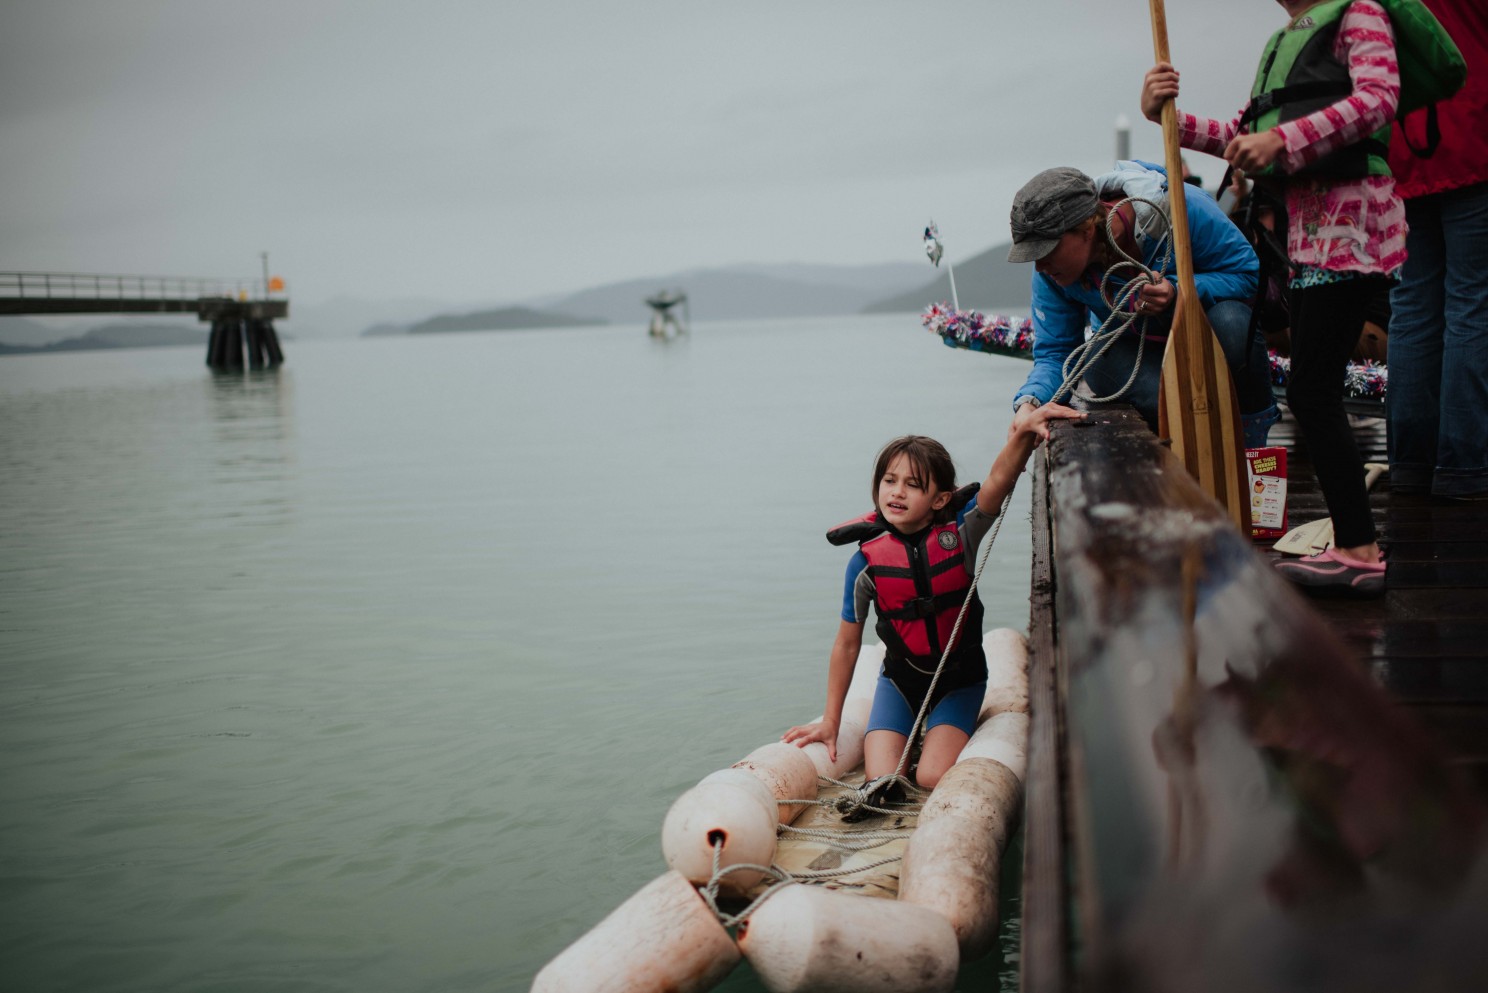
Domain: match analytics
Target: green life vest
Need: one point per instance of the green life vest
(1299, 75)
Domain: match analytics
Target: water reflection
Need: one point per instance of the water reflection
(253, 453)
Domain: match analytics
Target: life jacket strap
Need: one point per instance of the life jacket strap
(1264, 103)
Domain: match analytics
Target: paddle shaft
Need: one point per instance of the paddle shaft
(1197, 406)
(1173, 160)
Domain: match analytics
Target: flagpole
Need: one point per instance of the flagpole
(933, 251)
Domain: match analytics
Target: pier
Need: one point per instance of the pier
(242, 332)
(1232, 787)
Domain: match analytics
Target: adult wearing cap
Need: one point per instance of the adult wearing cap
(1062, 222)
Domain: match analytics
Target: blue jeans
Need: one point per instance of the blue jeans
(1438, 397)
(1230, 320)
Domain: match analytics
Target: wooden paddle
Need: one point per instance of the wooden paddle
(1315, 536)
(1196, 404)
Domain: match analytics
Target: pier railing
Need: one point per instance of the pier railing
(241, 311)
(111, 286)
(107, 293)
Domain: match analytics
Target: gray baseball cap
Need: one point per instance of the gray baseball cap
(1046, 207)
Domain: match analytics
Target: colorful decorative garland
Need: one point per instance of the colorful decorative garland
(1002, 335)
(972, 329)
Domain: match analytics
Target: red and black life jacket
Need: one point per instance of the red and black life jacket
(920, 582)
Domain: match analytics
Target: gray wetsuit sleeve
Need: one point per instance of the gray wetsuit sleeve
(974, 527)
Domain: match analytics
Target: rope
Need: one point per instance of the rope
(709, 891)
(1080, 360)
(1074, 368)
(1121, 320)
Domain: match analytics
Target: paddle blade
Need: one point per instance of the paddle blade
(1199, 412)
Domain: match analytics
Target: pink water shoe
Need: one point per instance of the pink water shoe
(1329, 572)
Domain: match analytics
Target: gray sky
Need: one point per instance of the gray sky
(487, 151)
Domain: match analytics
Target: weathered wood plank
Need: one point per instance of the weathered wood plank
(1045, 939)
(1246, 804)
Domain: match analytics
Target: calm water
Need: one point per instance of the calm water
(379, 672)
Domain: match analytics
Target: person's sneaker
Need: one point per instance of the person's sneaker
(1331, 572)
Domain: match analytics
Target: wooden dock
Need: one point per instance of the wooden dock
(242, 323)
(1426, 643)
(1231, 787)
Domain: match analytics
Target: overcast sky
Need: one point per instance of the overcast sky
(493, 150)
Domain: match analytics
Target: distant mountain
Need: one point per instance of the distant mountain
(500, 319)
(347, 317)
(986, 282)
(884, 277)
(748, 292)
(740, 292)
(121, 336)
(27, 333)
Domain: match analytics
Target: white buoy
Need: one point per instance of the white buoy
(787, 771)
(805, 938)
(854, 724)
(953, 860)
(730, 809)
(1004, 739)
(664, 939)
(850, 734)
(1007, 672)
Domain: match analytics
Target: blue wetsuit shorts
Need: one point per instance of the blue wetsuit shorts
(891, 712)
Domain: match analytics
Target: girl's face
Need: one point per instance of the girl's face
(1070, 258)
(907, 501)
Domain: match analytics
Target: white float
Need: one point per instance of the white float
(806, 939)
(904, 927)
(664, 938)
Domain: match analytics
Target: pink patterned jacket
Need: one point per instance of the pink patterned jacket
(1349, 225)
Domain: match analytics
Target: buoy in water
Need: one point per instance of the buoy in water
(805, 938)
(731, 811)
(787, 771)
(664, 939)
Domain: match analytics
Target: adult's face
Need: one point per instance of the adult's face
(1070, 258)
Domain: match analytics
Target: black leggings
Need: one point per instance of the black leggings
(1326, 322)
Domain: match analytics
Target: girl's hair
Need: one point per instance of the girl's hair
(928, 460)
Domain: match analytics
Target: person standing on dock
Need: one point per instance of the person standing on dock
(1345, 233)
(1439, 330)
(1084, 237)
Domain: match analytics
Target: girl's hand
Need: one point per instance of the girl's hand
(1254, 152)
(1035, 420)
(1158, 87)
(822, 731)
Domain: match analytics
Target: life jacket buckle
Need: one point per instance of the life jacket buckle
(922, 607)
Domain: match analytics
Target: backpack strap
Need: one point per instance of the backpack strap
(1433, 136)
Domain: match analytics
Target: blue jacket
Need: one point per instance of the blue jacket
(1225, 268)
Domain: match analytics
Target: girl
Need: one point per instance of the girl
(918, 551)
(1327, 85)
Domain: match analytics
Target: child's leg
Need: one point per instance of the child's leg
(889, 724)
(882, 750)
(943, 744)
(1326, 323)
(950, 724)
